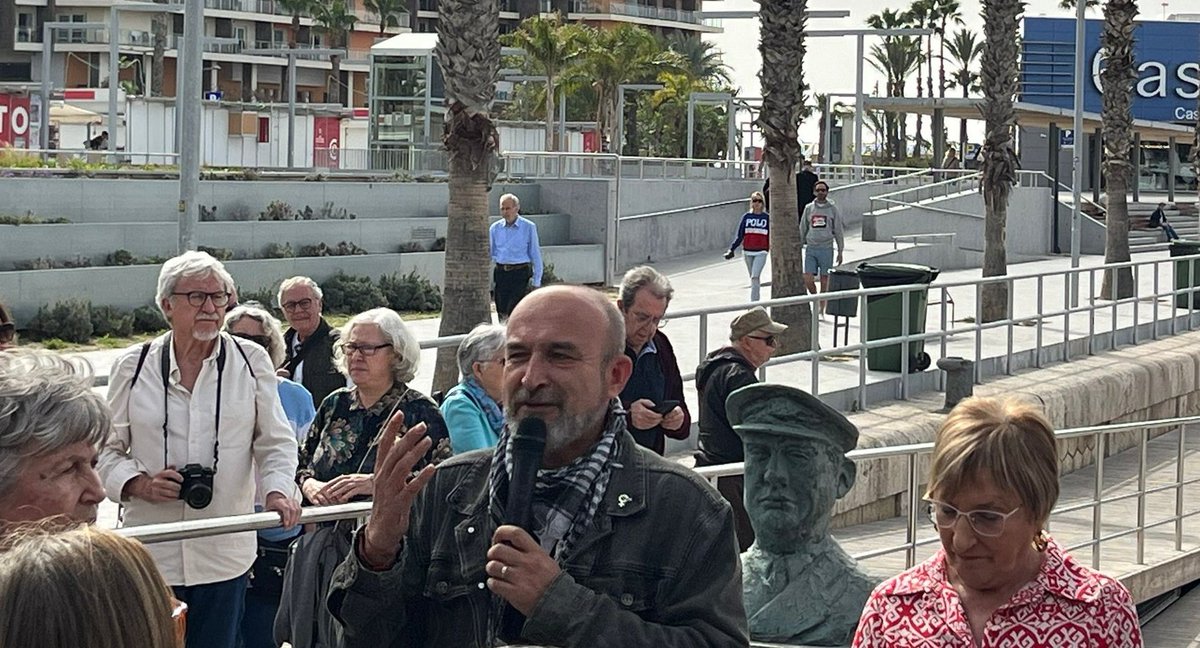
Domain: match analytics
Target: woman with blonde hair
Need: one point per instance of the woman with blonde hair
(83, 586)
(999, 579)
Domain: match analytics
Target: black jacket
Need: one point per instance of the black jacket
(659, 567)
(320, 377)
(719, 375)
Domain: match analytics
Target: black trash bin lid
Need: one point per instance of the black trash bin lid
(909, 272)
(1185, 248)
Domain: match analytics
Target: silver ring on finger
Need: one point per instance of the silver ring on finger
(504, 572)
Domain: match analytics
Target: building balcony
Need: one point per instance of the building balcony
(659, 15)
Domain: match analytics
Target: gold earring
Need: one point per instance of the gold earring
(1041, 541)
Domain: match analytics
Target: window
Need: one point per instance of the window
(72, 35)
(27, 28)
(264, 130)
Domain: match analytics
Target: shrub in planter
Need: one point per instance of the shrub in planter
(148, 319)
(548, 276)
(120, 258)
(264, 296)
(107, 320)
(277, 251)
(70, 321)
(220, 254)
(410, 292)
(351, 293)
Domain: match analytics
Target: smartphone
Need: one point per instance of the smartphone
(665, 407)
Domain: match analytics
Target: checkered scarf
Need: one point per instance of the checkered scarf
(565, 500)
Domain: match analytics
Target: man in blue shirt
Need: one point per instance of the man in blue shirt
(517, 255)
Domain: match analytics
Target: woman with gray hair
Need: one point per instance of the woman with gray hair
(379, 355)
(250, 321)
(51, 427)
(472, 407)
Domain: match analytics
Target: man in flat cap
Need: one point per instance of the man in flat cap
(753, 341)
(798, 584)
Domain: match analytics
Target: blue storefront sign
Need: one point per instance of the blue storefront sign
(1166, 55)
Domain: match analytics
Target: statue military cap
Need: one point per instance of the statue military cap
(789, 412)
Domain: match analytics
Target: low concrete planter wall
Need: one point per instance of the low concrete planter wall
(94, 241)
(132, 286)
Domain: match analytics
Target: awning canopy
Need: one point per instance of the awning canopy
(64, 113)
(1028, 114)
(409, 44)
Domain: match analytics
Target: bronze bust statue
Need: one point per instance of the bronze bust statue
(799, 586)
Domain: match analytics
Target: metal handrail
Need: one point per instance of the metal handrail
(911, 452)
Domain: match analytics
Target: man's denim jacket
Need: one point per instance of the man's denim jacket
(658, 568)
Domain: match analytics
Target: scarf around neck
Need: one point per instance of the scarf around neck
(488, 405)
(566, 499)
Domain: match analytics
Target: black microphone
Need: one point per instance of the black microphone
(528, 444)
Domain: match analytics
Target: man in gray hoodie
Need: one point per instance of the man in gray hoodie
(820, 226)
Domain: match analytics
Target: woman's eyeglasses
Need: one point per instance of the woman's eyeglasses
(367, 350)
(986, 523)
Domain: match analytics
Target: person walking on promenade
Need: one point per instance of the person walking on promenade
(820, 227)
(754, 236)
(517, 254)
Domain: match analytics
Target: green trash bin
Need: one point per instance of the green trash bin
(1184, 275)
(885, 313)
(842, 279)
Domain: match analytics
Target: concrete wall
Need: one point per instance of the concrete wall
(132, 286)
(1091, 232)
(94, 241)
(1028, 229)
(92, 200)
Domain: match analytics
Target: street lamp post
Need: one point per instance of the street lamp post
(1076, 155)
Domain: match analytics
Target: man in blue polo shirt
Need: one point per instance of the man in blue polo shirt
(517, 255)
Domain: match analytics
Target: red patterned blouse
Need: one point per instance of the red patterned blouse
(1066, 605)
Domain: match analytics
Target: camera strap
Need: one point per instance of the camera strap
(165, 367)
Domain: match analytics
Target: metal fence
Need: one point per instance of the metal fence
(914, 516)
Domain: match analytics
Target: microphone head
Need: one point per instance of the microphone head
(530, 436)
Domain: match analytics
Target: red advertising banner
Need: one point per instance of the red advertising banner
(14, 121)
(326, 136)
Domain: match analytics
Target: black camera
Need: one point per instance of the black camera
(197, 486)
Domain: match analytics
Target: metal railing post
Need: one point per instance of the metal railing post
(1037, 349)
(862, 352)
(914, 503)
(1011, 318)
(1091, 342)
(1180, 455)
(1143, 440)
(1098, 494)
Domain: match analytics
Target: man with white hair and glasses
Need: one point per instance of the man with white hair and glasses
(195, 413)
(515, 250)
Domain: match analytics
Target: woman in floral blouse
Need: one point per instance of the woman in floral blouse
(380, 356)
(999, 580)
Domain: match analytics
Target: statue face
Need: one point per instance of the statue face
(791, 486)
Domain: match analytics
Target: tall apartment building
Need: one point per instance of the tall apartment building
(80, 56)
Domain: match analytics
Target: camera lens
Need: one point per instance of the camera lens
(198, 496)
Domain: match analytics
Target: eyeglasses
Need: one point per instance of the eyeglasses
(299, 304)
(179, 619)
(769, 339)
(984, 522)
(821, 190)
(641, 319)
(367, 350)
(197, 298)
(261, 340)
(756, 200)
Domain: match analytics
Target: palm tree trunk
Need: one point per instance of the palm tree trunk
(549, 113)
(1116, 115)
(157, 60)
(962, 132)
(468, 52)
(920, 120)
(998, 72)
(782, 48)
(335, 81)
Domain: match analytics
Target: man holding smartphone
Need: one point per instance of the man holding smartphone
(653, 396)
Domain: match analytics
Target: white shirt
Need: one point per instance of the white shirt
(254, 434)
(298, 374)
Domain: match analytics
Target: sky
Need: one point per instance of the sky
(830, 62)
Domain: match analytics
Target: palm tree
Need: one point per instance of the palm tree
(296, 8)
(158, 26)
(702, 60)
(964, 48)
(781, 43)
(998, 161)
(611, 57)
(896, 58)
(550, 49)
(920, 15)
(468, 52)
(334, 21)
(1116, 82)
(389, 12)
(945, 12)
